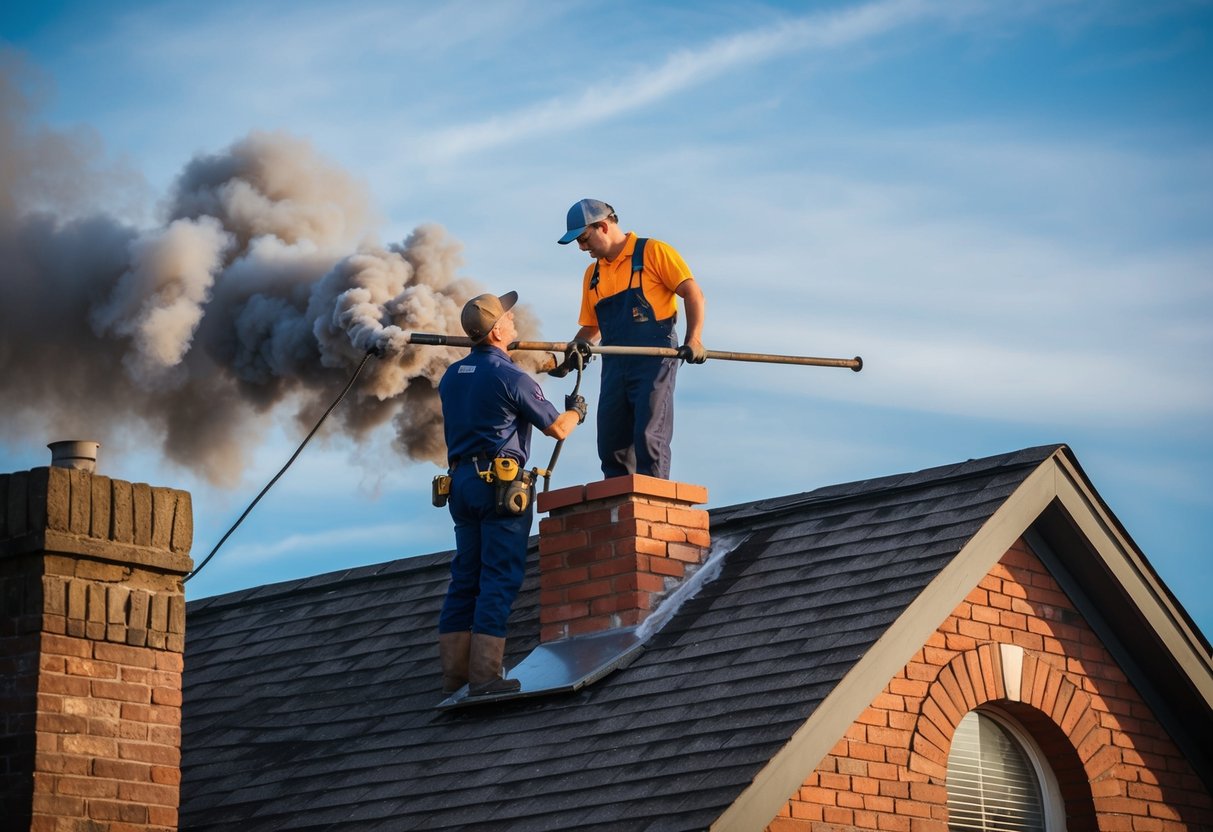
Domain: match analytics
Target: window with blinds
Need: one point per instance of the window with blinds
(992, 784)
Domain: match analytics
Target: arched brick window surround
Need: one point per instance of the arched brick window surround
(1049, 706)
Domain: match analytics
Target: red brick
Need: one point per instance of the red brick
(117, 811)
(694, 494)
(552, 597)
(66, 646)
(104, 689)
(62, 723)
(564, 577)
(566, 542)
(586, 520)
(892, 823)
(804, 811)
(92, 669)
(590, 624)
(889, 736)
(653, 512)
(90, 746)
(151, 713)
(86, 786)
(620, 601)
(149, 794)
(165, 816)
(550, 563)
(670, 534)
(591, 589)
(850, 800)
(151, 678)
(122, 654)
(642, 581)
(619, 531)
(64, 685)
(123, 770)
(551, 525)
(689, 518)
(839, 815)
(166, 775)
(631, 484)
(60, 805)
(867, 751)
(560, 498)
(149, 753)
(640, 545)
(686, 553)
(666, 566)
(54, 763)
(566, 612)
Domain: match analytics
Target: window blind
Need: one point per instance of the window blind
(991, 783)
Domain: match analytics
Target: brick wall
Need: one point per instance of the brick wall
(609, 549)
(1016, 641)
(91, 638)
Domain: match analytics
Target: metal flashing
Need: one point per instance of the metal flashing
(561, 666)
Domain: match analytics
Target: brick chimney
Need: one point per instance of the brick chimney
(92, 630)
(609, 549)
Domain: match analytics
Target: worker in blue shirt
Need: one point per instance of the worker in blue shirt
(629, 297)
(488, 407)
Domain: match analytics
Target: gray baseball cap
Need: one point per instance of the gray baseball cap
(581, 215)
(481, 312)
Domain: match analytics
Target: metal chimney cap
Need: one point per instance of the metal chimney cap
(80, 454)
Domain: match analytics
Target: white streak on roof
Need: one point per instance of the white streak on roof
(708, 571)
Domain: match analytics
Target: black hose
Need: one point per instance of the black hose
(547, 477)
(298, 450)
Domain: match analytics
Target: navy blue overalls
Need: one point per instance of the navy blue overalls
(488, 407)
(636, 404)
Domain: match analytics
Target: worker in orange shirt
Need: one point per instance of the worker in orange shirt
(629, 298)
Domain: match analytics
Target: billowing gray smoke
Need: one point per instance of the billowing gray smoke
(260, 291)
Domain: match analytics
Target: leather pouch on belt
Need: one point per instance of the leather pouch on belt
(513, 496)
(440, 490)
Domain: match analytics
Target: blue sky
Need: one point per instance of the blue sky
(1004, 208)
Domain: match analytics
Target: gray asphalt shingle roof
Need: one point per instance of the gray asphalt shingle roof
(310, 704)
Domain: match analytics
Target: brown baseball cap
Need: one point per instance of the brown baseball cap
(481, 312)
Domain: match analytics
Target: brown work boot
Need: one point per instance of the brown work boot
(453, 650)
(484, 667)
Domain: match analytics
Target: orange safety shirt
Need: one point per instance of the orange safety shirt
(664, 270)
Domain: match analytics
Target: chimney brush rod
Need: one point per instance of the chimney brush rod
(436, 340)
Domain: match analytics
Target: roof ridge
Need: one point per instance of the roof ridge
(895, 483)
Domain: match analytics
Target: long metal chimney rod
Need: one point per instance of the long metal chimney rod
(437, 340)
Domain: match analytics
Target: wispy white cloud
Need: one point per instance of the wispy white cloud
(679, 71)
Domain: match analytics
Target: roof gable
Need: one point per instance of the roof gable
(311, 704)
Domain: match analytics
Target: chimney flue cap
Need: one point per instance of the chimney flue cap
(80, 454)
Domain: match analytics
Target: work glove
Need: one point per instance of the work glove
(560, 368)
(577, 403)
(578, 345)
(693, 354)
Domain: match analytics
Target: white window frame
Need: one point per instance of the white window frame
(1053, 807)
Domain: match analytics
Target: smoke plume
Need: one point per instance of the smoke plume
(259, 293)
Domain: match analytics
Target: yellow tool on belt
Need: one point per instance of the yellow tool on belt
(513, 486)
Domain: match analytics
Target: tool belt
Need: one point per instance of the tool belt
(513, 486)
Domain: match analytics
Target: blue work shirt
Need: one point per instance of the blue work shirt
(489, 405)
